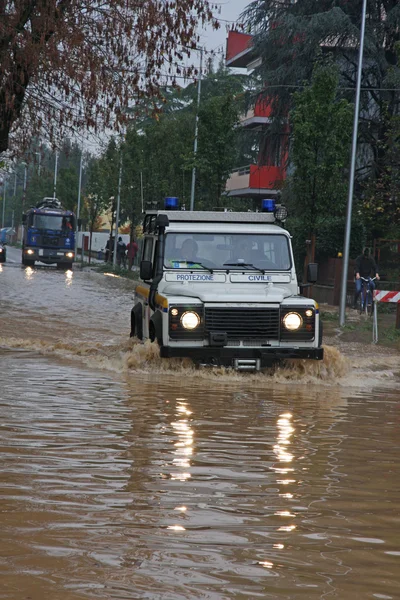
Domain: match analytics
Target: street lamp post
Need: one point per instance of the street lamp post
(196, 132)
(78, 212)
(55, 176)
(346, 251)
(4, 203)
(24, 196)
(39, 155)
(118, 206)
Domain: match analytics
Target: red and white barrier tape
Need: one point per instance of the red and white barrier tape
(383, 296)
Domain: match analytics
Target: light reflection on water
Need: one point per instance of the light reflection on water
(178, 485)
(130, 490)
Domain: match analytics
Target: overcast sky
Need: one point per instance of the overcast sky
(230, 12)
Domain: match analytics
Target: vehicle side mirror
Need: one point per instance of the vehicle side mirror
(312, 272)
(24, 219)
(146, 270)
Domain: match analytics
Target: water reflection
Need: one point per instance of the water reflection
(184, 446)
(29, 272)
(68, 277)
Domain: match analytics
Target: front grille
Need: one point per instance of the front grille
(241, 323)
(50, 241)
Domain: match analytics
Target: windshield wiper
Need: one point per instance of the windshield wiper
(240, 264)
(196, 262)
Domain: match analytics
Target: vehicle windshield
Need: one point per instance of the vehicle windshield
(54, 222)
(269, 252)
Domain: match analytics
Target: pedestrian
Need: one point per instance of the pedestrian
(132, 249)
(365, 267)
(121, 252)
(109, 249)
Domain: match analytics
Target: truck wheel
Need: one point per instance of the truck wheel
(321, 331)
(152, 334)
(28, 263)
(133, 326)
(68, 266)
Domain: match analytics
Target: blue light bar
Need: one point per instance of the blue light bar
(171, 203)
(267, 205)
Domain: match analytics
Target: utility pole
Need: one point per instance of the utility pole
(4, 203)
(23, 197)
(118, 205)
(346, 251)
(55, 176)
(141, 190)
(196, 131)
(39, 155)
(78, 212)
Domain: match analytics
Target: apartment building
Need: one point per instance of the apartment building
(265, 177)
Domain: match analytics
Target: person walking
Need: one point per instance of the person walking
(132, 249)
(109, 249)
(121, 252)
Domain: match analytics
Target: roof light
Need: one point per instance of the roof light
(267, 205)
(171, 203)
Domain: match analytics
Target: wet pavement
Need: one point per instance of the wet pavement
(124, 476)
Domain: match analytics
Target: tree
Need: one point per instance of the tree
(291, 36)
(216, 156)
(97, 198)
(74, 63)
(381, 198)
(321, 126)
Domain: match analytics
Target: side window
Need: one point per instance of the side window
(148, 249)
(155, 259)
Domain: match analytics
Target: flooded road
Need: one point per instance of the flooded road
(125, 477)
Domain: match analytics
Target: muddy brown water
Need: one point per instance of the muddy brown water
(124, 476)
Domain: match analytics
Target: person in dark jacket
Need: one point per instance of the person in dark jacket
(109, 249)
(365, 267)
(121, 252)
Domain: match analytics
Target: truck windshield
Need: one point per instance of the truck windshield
(54, 222)
(231, 251)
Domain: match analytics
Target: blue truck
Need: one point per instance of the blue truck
(48, 235)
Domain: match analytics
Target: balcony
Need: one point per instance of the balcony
(255, 181)
(239, 51)
(258, 116)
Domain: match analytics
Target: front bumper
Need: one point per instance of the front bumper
(49, 255)
(228, 356)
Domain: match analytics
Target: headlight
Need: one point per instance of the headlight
(1, 249)
(70, 254)
(292, 321)
(190, 320)
(29, 251)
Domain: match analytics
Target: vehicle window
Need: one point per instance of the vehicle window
(148, 249)
(155, 258)
(53, 222)
(264, 251)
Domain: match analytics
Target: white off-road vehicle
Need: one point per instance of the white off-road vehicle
(221, 289)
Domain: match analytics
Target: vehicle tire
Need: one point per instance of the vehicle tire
(28, 263)
(360, 303)
(370, 307)
(321, 333)
(152, 334)
(68, 266)
(133, 326)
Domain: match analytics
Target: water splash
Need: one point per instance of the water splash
(130, 356)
